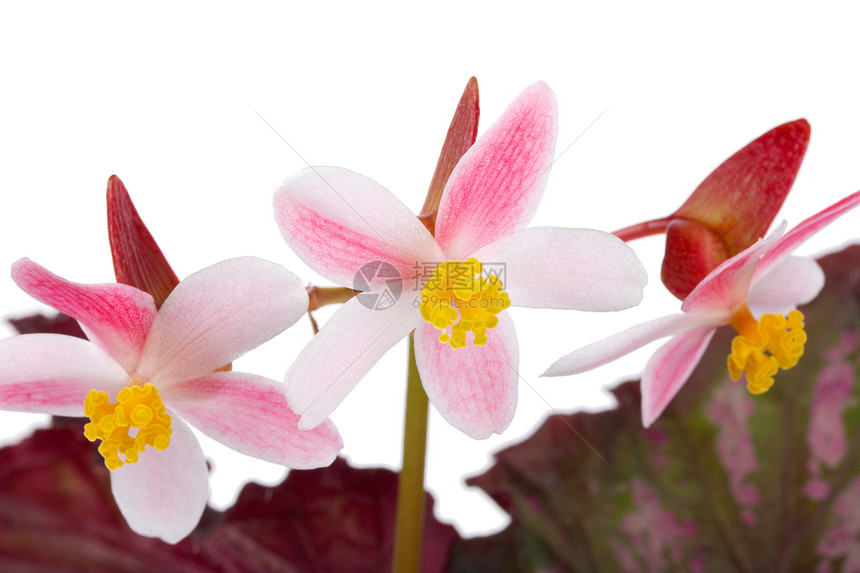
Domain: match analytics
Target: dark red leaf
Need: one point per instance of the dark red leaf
(39, 323)
(57, 513)
(331, 519)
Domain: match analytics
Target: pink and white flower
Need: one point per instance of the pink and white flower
(210, 319)
(742, 291)
(338, 221)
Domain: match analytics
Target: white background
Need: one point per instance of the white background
(164, 95)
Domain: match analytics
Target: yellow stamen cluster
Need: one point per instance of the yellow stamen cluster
(138, 407)
(459, 296)
(763, 347)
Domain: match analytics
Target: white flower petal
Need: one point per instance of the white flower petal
(164, 494)
(791, 282)
(578, 269)
(217, 314)
(615, 346)
(345, 349)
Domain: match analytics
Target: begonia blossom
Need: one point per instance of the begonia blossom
(159, 365)
(451, 288)
(756, 292)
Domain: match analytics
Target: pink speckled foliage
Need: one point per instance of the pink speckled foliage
(723, 481)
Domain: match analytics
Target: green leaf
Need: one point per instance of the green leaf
(723, 481)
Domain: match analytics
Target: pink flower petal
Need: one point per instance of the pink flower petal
(497, 185)
(345, 349)
(116, 317)
(52, 373)
(337, 221)
(804, 230)
(217, 314)
(669, 368)
(792, 282)
(250, 414)
(622, 343)
(475, 387)
(579, 269)
(164, 494)
(728, 285)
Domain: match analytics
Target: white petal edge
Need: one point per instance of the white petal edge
(52, 373)
(622, 343)
(475, 387)
(344, 350)
(576, 269)
(217, 314)
(164, 494)
(791, 282)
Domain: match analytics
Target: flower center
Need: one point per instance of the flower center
(459, 298)
(137, 407)
(763, 347)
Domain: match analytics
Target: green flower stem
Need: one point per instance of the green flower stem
(410, 494)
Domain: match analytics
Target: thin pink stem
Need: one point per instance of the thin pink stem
(646, 229)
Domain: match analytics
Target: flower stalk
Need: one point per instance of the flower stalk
(409, 527)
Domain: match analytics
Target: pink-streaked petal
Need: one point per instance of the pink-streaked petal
(116, 317)
(219, 313)
(669, 369)
(794, 281)
(52, 373)
(578, 269)
(164, 494)
(727, 286)
(337, 221)
(497, 185)
(250, 414)
(345, 349)
(622, 343)
(475, 387)
(804, 230)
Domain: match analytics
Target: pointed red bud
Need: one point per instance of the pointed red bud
(740, 199)
(461, 135)
(731, 209)
(137, 260)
